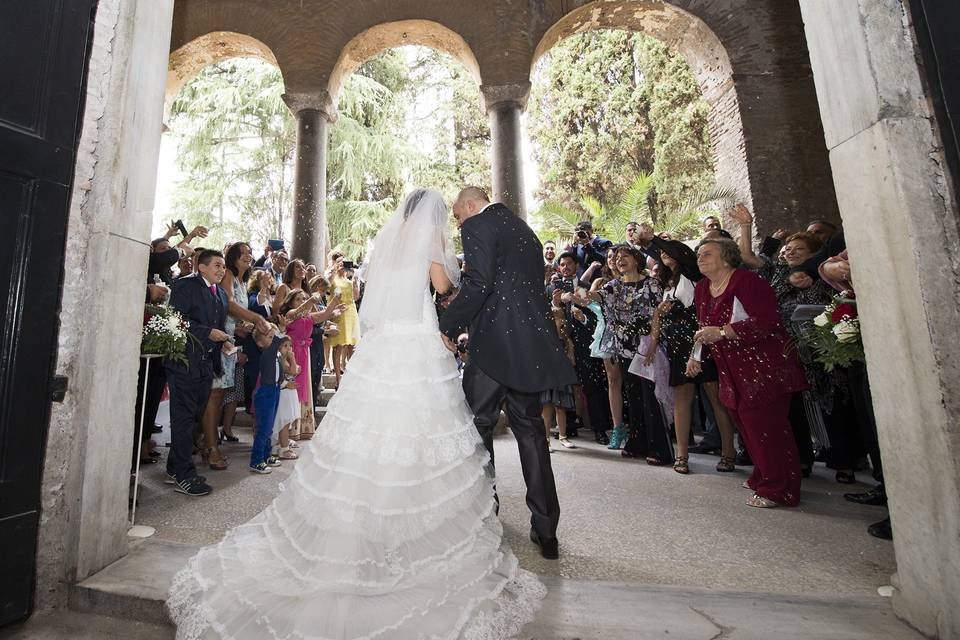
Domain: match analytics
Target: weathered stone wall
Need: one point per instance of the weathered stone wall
(903, 234)
(86, 475)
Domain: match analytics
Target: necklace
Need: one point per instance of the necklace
(716, 288)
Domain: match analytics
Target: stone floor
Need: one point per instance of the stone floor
(620, 520)
(645, 553)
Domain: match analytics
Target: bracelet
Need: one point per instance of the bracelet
(723, 333)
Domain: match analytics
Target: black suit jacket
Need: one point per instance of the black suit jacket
(594, 251)
(191, 297)
(161, 264)
(503, 303)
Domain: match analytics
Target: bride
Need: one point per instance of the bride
(387, 526)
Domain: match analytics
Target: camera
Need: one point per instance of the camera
(179, 225)
(565, 285)
(349, 264)
(582, 235)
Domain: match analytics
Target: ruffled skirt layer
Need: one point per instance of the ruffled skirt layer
(385, 529)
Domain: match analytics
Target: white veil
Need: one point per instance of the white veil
(396, 271)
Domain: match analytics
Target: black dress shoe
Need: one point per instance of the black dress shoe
(743, 458)
(549, 547)
(602, 438)
(876, 497)
(881, 529)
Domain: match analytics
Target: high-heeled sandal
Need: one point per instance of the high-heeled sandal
(220, 465)
(681, 465)
(229, 437)
(727, 464)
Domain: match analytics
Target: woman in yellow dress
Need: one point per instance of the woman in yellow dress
(344, 284)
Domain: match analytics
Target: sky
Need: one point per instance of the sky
(426, 102)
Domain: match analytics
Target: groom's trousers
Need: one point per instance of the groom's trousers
(485, 397)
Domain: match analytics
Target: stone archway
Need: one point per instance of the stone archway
(754, 71)
(389, 35)
(704, 54)
(190, 58)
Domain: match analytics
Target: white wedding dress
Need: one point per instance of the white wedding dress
(386, 527)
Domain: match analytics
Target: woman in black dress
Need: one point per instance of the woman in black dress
(674, 323)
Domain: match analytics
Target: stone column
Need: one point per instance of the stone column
(504, 105)
(311, 111)
(902, 223)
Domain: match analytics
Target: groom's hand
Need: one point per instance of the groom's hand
(448, 343)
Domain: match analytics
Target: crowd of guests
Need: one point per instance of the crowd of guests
(666, 335)
(264, 331)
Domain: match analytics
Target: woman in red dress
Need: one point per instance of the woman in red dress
(758, 366)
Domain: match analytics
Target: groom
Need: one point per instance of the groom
(515, 352)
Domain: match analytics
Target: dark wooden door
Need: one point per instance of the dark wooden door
(44, 49)
(935, 23)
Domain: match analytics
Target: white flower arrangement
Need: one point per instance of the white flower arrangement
(847, 331)
(165, 332)
(835, 336)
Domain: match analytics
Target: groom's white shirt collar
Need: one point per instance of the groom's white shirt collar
(487, 207)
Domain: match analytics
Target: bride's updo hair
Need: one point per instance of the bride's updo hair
(412, 200)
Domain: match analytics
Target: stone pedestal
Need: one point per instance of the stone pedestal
(504, 105)
(310, 177)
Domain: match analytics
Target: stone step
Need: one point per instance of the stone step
(329, 380)
(319, 413)
(135, 586)
(325, 397)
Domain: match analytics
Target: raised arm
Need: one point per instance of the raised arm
(742, 215)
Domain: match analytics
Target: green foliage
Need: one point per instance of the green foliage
(236, 141)
(556, 221)
(683, 167)
(353, 223)
(617, 117)
(457, 124)
(588, 119)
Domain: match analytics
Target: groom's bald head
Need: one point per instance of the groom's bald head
(470, 201)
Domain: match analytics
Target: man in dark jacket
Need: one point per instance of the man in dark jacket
(589, 248)
(203, 304)
(514, 351)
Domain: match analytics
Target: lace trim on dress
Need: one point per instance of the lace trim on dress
(515, 600)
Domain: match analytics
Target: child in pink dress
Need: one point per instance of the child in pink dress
(299, 315)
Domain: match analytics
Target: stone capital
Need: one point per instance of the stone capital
(515, 94)
(315, 101)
